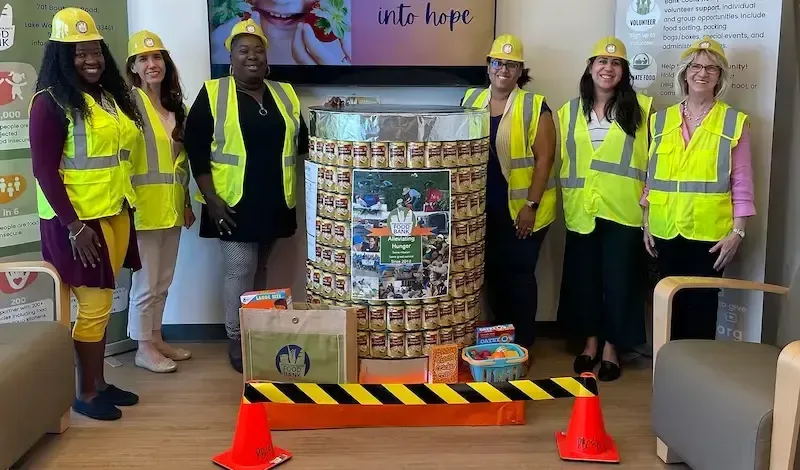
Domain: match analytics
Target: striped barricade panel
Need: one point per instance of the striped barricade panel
(420, 394)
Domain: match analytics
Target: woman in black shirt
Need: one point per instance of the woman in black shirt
(243, 134)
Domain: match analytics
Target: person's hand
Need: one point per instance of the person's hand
(308, 50)
(188, 217)
(727, 248)
(525, 221)
(86, 244)
(649, 242)
(220, 213)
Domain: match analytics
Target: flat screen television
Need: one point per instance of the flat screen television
(364, 42)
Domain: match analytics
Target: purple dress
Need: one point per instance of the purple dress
(48, 133)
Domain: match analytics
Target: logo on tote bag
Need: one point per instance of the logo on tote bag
(292, 361)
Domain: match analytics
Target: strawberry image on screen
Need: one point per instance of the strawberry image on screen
(329, 20)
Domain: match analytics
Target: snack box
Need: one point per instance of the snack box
(443, 363)
(273, 299)
(494, 334)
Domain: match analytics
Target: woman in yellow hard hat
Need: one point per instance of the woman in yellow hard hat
(83, 124)
(520, 200)
(603, 165)
(160, 177)
(699, 192)
(243, 135)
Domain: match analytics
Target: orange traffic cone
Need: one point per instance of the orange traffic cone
(252, 442)
(586, 438)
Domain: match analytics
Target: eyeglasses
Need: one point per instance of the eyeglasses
(710, 69)
(511, 66)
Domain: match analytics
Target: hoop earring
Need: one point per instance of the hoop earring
(269, 70)
(230, 70)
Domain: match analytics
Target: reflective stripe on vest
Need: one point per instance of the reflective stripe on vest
(722, 183)
(153, 175)
(81, 160)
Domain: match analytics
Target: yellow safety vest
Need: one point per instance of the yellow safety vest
(95, 165)
(158, 179)
(525, 112)
(605, 182)
(228, 153)
(690, 185)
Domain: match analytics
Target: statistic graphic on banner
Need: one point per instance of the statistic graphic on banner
(401, 234)
(656, 32)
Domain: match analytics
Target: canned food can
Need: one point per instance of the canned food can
(327, 284)
(460, 233)
(377, 316)
(454, 181)
(469, 261)
(473, 307)
(464, 178)
(458, 261)
(377, 344)
(414, 344)
(464, 152)
(379, 155)
(320, 149)
(459, 334)
(485, 146)
(430, 338)
(476, 281)
(446, 312)
(362, 316)
(321, 177)
(450, 154)
(330, 178)
(311, 297)
(341, 234)
(329, 153)
(462, 207)
(397, 345)
(309, 274)
(475, 178)
(433, 155)
(318, 254)
(430, 316)
(341, 260)
(316, 282)
(397, 154)
(312, 148)
(342, 207)
(459, 311)
(363, 344)
(416, 155)
(414, 307)
(483, 177)
(321, 202)
(481, 274)
(413, 317)
(344, 181)
(469, 280)
(482, 225)
(327, 258)
(481, 253)
(482, 202)
(342, 288)
(395, 313)
(471, 330)
(474, 231)
(476, 152)
(474, 205)
(326, 231)
(318, 228)
(361, 153)
(344, 153)
(446, 336)
(328, 208)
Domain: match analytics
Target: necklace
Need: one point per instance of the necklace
(262, 110)
(687, 113)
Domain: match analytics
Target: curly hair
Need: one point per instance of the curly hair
(171, 91)
(58, 75)
(624, 105)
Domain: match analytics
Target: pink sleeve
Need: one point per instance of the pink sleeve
(742, 191)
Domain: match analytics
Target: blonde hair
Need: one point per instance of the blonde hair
(723, 81)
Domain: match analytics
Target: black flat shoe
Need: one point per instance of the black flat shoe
(609, 371)
(235, 354)
(97, 409)
(584, 363)
(118, 397)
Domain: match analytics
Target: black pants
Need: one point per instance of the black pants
(694, 312)
(602, 286)
(511, 289)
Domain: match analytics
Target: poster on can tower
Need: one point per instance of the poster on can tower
(24, 30)
(656, 32)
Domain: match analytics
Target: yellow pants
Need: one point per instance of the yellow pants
(94, 303)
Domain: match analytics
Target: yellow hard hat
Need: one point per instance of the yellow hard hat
(247, 26)
(709, 45)
(143, 42)
(610, 46)
(507, 47)
(74, 25)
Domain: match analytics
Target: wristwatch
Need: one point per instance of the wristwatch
(533, 205)
(739, 232)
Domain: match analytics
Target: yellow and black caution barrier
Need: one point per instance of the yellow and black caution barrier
(420, 394)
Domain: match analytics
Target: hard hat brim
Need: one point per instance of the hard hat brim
(82, 38)
(147, 51)
(229, 41)
(692, 50)
(504, 56)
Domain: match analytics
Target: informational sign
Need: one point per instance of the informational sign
(24, 30)
(656, 32)
(400, 234)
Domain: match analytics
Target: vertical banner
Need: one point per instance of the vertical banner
(24, 29)
(656, 32)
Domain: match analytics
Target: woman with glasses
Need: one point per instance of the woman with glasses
(699, 190)
(520, 191)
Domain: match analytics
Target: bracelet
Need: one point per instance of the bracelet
(73, 237)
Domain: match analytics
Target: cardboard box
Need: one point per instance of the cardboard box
(494, 334)
(443, 363)
(277, 299)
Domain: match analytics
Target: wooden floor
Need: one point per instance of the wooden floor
(186, 417)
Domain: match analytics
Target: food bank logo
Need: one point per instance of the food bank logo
(292, 361)
(7, 28)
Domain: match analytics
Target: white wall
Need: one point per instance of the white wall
(556, 57)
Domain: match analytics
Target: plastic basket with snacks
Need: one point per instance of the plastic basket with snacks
(496, 362)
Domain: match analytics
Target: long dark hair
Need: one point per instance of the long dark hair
(624, 105)
(58, 74)
(171, 91)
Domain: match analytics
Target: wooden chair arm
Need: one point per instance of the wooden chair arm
(786, 409)
(62, 301)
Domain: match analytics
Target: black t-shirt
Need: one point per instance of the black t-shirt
(261, 215)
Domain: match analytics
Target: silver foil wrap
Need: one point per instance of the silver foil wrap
(398, 123)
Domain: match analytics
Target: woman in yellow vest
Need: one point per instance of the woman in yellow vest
(243, 135)
(83, 124)
(520, 200)
(160, 177)
(603, 166)
(699, 191)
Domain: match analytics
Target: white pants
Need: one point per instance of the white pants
(158, 250)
